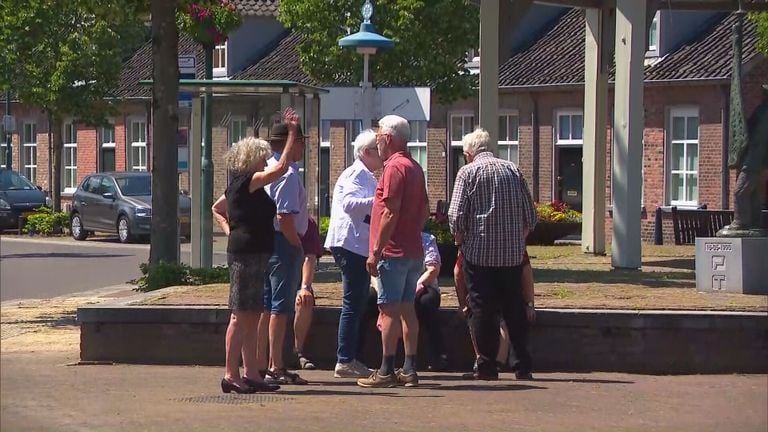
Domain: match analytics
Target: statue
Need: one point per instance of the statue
(747, 152)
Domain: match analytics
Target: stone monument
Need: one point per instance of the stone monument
(735, 260)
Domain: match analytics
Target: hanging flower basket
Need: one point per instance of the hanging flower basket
(208, 22)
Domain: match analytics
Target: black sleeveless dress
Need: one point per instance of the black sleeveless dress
(250, 242)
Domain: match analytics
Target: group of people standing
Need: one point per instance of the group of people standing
(376, 238)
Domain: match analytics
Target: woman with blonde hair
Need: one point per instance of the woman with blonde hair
(245, 213)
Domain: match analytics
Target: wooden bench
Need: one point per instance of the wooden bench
(687, 224)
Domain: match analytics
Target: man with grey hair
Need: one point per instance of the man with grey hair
(490, 215)
(347, 239)
(396, 255)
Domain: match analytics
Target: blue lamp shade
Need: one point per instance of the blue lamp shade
(366, 38)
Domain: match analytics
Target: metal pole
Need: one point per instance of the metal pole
(8, 135)
(206, 187)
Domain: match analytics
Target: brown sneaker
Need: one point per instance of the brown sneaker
(378, 381)
(407, 380)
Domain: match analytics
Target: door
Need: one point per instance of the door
(569, 176)
(107, 159)
(105, 209)
(86, 198)
(457, 161)
(324, 192)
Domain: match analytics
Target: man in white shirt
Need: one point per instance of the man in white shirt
(347, 238)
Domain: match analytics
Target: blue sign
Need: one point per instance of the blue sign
(186, 71)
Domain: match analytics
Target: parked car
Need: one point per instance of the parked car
(120, 203)
(18, 197)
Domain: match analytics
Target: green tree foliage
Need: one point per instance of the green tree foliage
(65, 57)
(761, 20)
(431, 41)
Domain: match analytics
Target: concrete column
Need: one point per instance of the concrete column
(626, 251)
(489, 67)
(195, 160)
(595, 113)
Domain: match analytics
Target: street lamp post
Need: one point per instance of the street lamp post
(8, 131)
(366, 42)
(206, 186)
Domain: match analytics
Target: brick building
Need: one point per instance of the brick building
(541, 102)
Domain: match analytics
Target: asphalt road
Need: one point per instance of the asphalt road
(44, 268)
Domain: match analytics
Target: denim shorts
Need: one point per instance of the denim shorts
(397, 279)
(283, 277)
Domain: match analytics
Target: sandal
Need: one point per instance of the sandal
(306, 363)
(282, 376)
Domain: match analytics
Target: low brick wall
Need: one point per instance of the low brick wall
(562, 340)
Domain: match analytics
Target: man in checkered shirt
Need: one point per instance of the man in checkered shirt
(491, 213)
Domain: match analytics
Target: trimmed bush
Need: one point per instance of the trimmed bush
(45, 221)
(166, 274)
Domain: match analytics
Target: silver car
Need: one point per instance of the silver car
(120, 203)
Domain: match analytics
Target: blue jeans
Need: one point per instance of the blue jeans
(283, 277)
(356, 284)
(397, 279)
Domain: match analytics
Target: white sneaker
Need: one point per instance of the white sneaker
(353, 369)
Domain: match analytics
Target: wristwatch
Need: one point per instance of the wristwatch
(530, 305)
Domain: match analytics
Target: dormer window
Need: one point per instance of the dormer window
(653, 35)
(220, 60)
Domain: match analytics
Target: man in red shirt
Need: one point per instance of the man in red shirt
(396, 258)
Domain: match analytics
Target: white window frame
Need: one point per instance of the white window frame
(105, 144)
(570, 113)
(686, 112)
(243, 122)
(136, 142)
(508, 141)
(654, 29)
(221, 52)
(29, 143)
(417, 143)
(464, 131)
(69, 172)
(325, 140)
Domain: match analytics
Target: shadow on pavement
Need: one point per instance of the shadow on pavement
(487, 387)
(582, 381)
(64, 255)
(372, 392)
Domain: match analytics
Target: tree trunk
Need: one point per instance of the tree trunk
(56, 153)
(165, 183)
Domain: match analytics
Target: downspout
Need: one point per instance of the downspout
(726, 130)
(535, 147)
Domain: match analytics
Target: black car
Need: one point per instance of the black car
(18, 197)
(120, 203)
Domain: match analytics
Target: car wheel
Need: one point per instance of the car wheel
(77, 229)
(124, 230)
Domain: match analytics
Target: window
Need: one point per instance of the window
(70, 157)
(353, 129)
(508, 137)
(237, 129)
(139, 145)
(460, 125)
(107, 148)
(684, 157)
(570, 127)
(325, 133)
(220, 59)
(653, 34)
(417, 145)
(29, 140)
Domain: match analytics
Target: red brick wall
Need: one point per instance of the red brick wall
(338, 152)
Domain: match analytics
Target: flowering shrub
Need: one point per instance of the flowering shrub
(557, 211)
(208, 22)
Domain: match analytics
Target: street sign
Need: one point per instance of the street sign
(186, 71)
